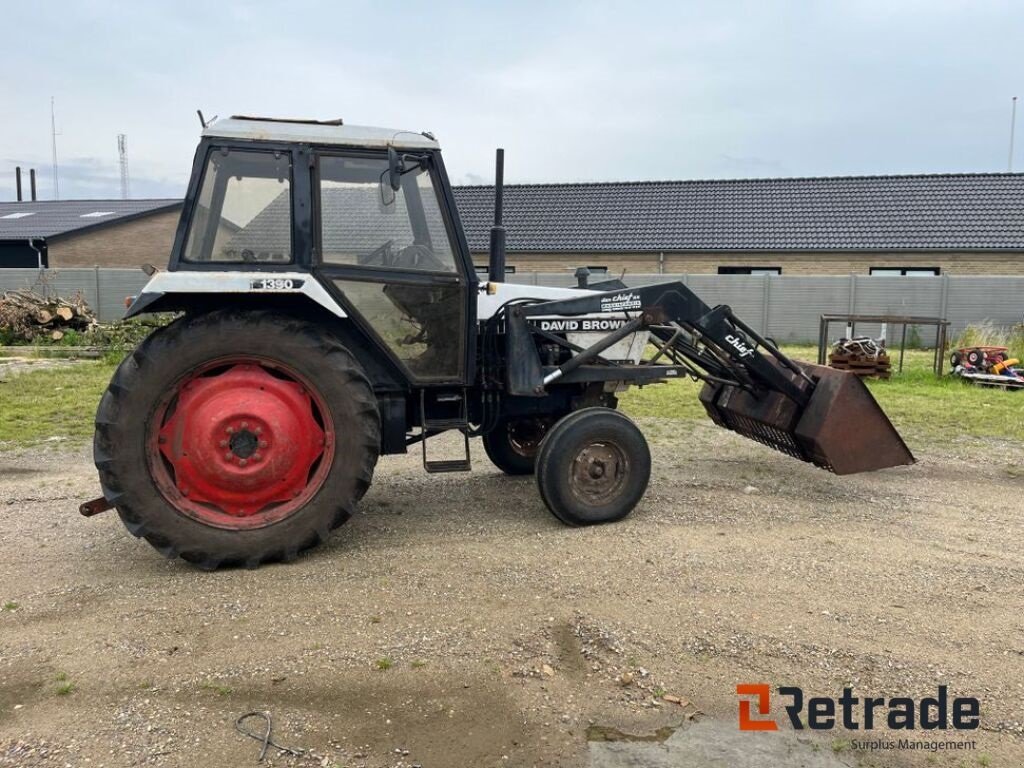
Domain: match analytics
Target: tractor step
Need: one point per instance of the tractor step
(441, 425)
(459, 421)
(448, 465)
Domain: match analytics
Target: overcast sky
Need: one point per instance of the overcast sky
(587, 91)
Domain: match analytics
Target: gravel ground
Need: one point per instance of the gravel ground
(454, 622)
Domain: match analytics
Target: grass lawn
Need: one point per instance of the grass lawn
(61, 402)
(53, 402)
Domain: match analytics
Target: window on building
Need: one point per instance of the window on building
(483, 269)
(905, 271)
(750, 270)
(597, 270)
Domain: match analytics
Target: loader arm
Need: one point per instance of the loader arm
(810, 412)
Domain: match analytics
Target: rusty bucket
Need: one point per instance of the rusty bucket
(842, 428)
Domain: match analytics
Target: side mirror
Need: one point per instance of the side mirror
(396, 167)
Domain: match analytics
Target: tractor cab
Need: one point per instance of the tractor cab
(364, 214)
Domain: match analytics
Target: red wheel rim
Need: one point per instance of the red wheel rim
(240, 443)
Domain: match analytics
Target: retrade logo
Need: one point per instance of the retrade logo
(824, 713)
(762, 694)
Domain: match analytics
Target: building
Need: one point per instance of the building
(957, 224)
(86, 233)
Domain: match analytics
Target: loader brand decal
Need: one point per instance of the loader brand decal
(276, 284)
(855, 713)
(572, 325)
(739, 345)
(620, 301)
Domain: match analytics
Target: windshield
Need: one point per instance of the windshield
(243, 211)
(360, 226)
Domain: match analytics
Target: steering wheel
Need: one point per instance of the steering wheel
(418, 257)
(380, 255)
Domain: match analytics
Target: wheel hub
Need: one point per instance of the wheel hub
(599, 472)
(242, 441)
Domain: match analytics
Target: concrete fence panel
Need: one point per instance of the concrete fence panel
(785, 307)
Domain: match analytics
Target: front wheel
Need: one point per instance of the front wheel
(236, 438)
(593, 467)
(513, 444)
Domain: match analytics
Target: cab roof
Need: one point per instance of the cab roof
(317, 132)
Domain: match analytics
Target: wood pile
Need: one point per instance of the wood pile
(29, 316)
(861, 364)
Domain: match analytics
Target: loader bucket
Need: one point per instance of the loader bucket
(842, 428)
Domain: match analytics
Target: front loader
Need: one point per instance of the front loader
(329, 313)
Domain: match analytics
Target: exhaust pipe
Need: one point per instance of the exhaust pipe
(17, 181)
(496, 262)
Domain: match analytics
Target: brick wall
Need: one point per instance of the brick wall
(146, 240)
(810, 263)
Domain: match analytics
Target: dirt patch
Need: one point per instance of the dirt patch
(11, 366)
(453, 622)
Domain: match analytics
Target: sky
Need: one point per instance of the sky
(574, 91)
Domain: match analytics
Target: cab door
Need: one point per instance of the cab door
(396, 261)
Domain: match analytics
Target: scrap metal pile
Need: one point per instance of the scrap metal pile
(863, 356)
(27, 316)
(988, 367)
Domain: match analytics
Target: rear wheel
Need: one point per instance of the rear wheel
(237, 438)
(593, 467)
(513, 444)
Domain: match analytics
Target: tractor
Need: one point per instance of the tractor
(328, 313)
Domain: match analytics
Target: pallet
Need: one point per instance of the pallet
(990, 381)
(860, 365)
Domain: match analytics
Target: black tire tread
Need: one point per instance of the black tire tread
(133, 369)
(499, 450)
(549, 454)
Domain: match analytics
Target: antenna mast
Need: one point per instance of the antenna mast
(1013, 125)
(122, 152)
(53, 137)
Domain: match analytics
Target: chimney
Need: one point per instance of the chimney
(17, 181)
(32, 182)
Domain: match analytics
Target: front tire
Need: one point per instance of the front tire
(593, 467)
(512, 445)
(236, 438)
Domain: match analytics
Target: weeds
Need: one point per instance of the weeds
(988, 334)
(384, 664)
(220, 690)
(10, 605)
(840, 745)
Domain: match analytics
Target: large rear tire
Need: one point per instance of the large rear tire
(593, 467)
(237, 438)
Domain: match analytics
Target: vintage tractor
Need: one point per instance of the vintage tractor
(330, 313)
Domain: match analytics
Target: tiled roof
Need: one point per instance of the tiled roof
(51, 218)
(933, 212)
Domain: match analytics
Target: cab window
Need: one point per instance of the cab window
(365, 223)
(244, 211)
